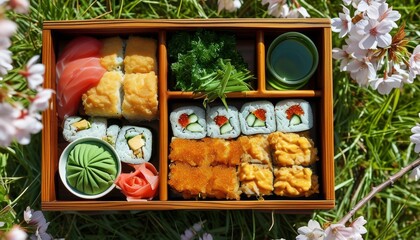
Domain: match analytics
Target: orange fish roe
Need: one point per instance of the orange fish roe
(183, 120)
(260, 114)
(294, 110)
(220, 120)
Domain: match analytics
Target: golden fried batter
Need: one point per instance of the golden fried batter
(295, 181)
(256, 179)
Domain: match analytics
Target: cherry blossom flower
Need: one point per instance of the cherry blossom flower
(34, 73)
(228, 5)
(277, 8)
(362, 71)
(19, 6)
(343, 56)
(338, 232)
(206, 236)
(387, 14)
(298, 12)
(376, 34)
(415, 174)
(343, 23)
(8, 28)
(386, 84)
(415, 138)
(26, 125)
(5, 43)
(311, 232)
(5, 61)
(7, 131)
(358, 227)
(414, 62)
(370, 7)
(16, 233)
(41, 100)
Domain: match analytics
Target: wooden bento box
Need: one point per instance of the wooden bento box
(253, 37)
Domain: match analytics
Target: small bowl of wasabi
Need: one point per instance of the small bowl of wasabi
(292, 59)
(88, 167)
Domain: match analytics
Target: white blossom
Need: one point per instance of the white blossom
(370, 7)
(20, 6)
(34, 73)
(362, 71)
(311, 232)
(415, 174)
(414, 62)
(386, 84)
(8, 28)
(415, 138)
(298, 12)
(376, 34)
(5, 61)
(338, 232)
(343, 23)
(41, 100)
(358, 227)
(16, 233)
(26, 125)
(387, 14)
(343, 56)
(228, 5)
(7, 130)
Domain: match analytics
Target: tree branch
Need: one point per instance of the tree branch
(379, 188)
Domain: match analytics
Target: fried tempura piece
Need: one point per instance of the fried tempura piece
(255, 179)
(295, 181)
(205, 152)
(291, 149)
(224, 183)
(140, 55)
(256, 149)
(190, 181)
(204, 181)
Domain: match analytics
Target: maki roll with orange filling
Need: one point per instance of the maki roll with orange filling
(188, 122)
(257, 117)
(293, 115)
(134, 144)
(223, 123)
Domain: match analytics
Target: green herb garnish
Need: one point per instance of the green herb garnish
(208, 63)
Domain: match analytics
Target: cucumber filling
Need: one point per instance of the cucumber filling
(194, 127)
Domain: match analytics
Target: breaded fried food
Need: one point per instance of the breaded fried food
(224, 183)
(296, 181)
(140, 55)
(205, 152)
(112, 53)
(104, 100)
(190, 181)
(140, 96)
(219, 182)
(255, 179)
(291, 149)
(256, 149)
(193, 152)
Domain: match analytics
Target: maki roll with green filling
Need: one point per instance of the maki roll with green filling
(76, 127)
(293, 115)
(257, 117)
(188, 122)
(134, 144)
(222, 122)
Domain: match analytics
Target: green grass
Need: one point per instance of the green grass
(371, 141)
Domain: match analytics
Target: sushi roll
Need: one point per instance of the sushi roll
(140, 100)
(257, 117)
(140, 55)
(222, 122)
(76, 127)
(104, 100)
(294, 115)
(134, 144)
(188, 122)
(112, 134)
(112, 53)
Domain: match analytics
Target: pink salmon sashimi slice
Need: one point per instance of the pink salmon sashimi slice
(71, 97)
(80, 47)
(73, 69)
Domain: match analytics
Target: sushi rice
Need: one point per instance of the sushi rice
(188, 122)
(93, 127)
(112, 134)
(257, 117)
(222, 122)
(140, 138)
(293, 115)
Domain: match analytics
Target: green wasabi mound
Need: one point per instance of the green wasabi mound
(91, 168)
